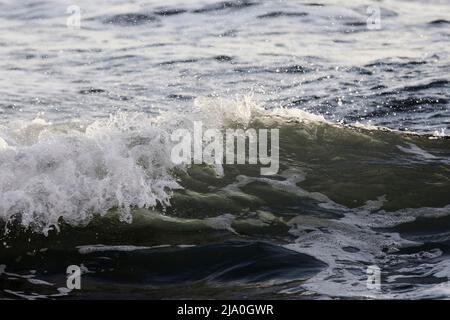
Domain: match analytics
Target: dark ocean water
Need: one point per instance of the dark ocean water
(86, 177)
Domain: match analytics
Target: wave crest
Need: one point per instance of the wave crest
(51, 172)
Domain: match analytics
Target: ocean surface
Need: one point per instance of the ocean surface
(363, 112)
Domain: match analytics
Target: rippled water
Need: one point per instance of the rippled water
(85, 170)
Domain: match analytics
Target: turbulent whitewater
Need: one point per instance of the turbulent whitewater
(86, 176)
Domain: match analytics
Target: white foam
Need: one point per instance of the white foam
(87, 249)
(72, 171)
(50, 172)
(3, 144)
(328, 240)
(415, 150)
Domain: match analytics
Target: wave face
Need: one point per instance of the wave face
(72, 171)
(86, 176)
